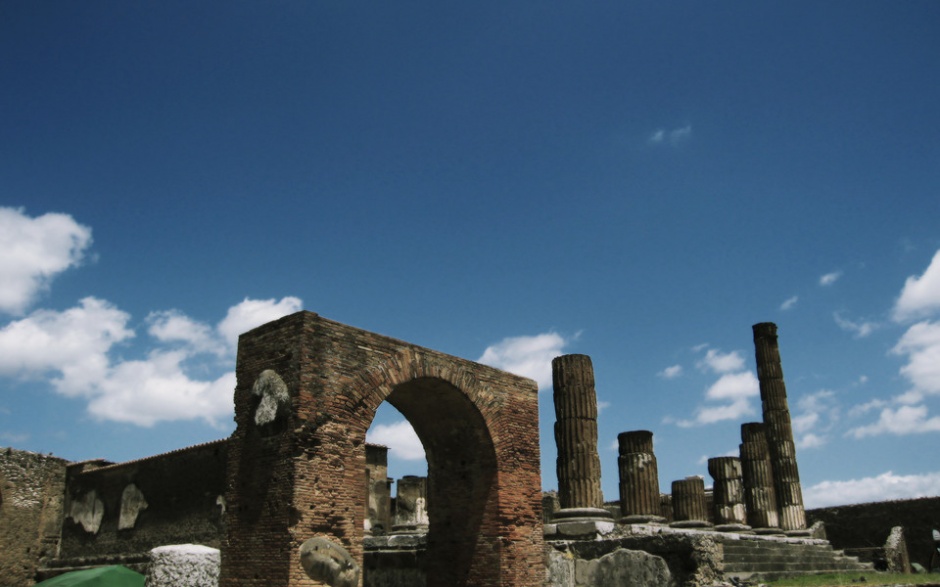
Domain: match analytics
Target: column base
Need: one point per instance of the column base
(769, 532)
(690, 524)
(580, 522)
(582, 514)
(737, 528)
(641, 519)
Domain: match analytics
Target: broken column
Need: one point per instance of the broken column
(688, 503)
(760, 497)
(728, 494)
(773, 394)
(411, 511)
(639, 478)
(377, 518)
(578, 465)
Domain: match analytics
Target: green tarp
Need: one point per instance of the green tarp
(116, 576)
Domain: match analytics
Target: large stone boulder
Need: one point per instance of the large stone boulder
(326, 561)
(184, 565)
(622, 567)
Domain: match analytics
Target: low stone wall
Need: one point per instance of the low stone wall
(31, 490)
(130, 508)
(868, 525)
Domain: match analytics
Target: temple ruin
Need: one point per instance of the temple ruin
(295, 497)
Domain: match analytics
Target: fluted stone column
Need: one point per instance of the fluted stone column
(578, 465)
(773, 394)
(728, 494)
(760, 497)
(639, 478)
(688, 503)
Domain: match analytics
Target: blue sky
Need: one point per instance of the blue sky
(505, 182)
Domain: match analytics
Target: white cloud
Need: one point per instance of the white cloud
(671, 372)
(250, 314)
(675, 136)
(158, 389)
(859, 329)
(399, 437)
(73, 343)
(74, 350)
(736, 410)
(172, 326)
(602, 405)
(722, 362)
(734, 386)
(34, 251)
(921, 345)
(901, 421)
(528, 356)
(830, 278)
(920, 296)
(884, 487)
(789, 303)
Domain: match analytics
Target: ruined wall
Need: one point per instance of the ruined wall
(868, 525)
(127, 508)
(307, 391)
(31, 490)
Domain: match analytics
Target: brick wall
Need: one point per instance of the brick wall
(299, 474)
(31, 490)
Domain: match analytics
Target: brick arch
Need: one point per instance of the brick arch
(479, 427)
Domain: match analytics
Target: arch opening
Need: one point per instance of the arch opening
(462, 504)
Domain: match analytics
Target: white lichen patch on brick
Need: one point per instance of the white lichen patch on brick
(132, 503)
(274, 396)
(88, 511)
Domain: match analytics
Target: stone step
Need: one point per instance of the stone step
(768, 559)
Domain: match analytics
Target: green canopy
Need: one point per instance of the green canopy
(115, 576)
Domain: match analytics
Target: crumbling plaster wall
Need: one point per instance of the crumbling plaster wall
(31, 494)
(132, 507)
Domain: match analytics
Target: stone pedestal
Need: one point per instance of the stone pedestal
(728, 494)
(773, 393)
(688, 503)
(411, 506)
(639, 478)
(578, 465)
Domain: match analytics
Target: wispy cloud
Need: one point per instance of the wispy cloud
(899, 421)
(884, 487)
(529, 356)
(728, 398)
(719, 362)
(671, 372)
(860, 329)
(907, 413)
(789, 303)
(662, 136)
(815, 416)
(35, 250)
(830, 278)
